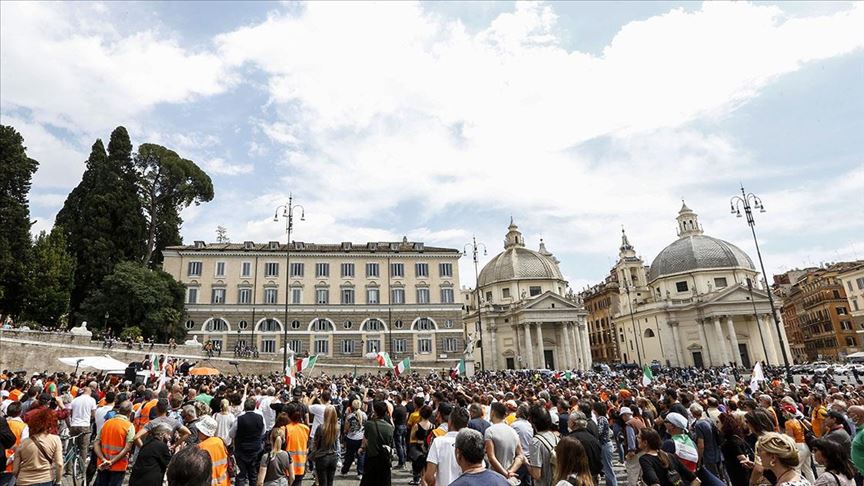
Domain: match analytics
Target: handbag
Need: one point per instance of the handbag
(45, 456)
(386, 450)
(414, 452)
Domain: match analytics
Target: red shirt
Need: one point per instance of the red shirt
(62, 414)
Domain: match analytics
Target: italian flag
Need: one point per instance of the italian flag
(459, 369)
(306, 363)
(402, 367)
(567, 375)
(383, 359)
(154, 366)
(647, 375)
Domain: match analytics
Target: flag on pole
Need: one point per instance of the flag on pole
(403, 366)
(757, 376)
(647, 375)
(154, 366)
(383, 359)
(458, 370)
(306, 363)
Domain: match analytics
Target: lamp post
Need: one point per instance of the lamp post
(633, 322)
(288, 216)
(474, 252)
(748, 202)
(756, 316)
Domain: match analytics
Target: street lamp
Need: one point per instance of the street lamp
(636, 335)
(288, 216)
(474, 250)
(748, 202)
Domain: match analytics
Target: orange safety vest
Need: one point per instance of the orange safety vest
(17, 427)
(143, 418)
(216, 448)
(297, 445)
(15, 395)
(112, 440)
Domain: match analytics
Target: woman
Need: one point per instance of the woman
(377, 443)
(779, 454)
(277, 435)
(326, 453)
(572, 464)
(605, 438)
(659, 468)
(417, 448)
(354, 438)
(275, 468)
(39, 458)
(153, 458)
(839, 470)
(737, 454)
(224, 421)
(795, 429)
(759, 423)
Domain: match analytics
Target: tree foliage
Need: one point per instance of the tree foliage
(167, 184)
(134, 295)
(49, 282)
(16, 171)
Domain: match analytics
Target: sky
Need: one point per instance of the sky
(440, 121)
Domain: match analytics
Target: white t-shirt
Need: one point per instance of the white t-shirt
(317, 412)
(82, 408)
(268, 413)
(443, 454)
(100, 417)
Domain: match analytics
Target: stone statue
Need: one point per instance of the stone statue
(81, 330)
(469, 346)
(192, 342)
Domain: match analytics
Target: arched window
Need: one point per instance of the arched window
(399, 324)
(322, 325)
(649, 333)
(425, 324)
(295, 324)
(269, 325)
(347, 324)
(217, 325)
(190, 324)
(373, 325)
(243, 325)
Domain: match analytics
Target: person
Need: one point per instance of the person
(161, 410)
(817, 413)
(834, 457)
(153, 457)
(225, 421)
(737, 454)
(707, 437)
(657, 466)
(835, 428)
(19, 430)
(113, 445)
(469, 451)
(417, 446)
(377, 438)
(795, 429)
(604, 436)
(759, 424)
(215, 447)
(296, 441)
(325, 452)
(503, 448)
(275, 466)
(353, 429)
(630, 442)
(39, 458)
(83, 411)
(525, 431)
(578, 427)
(572, 463)
(680, 442)
(246, 435)
(477, 421)
(856, 413)
(400, 423)
(191, 466)
(441, 466)
(542, 446)
(779, 455)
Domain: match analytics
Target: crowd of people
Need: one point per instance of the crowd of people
(684, 427)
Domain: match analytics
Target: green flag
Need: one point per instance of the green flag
(647, 375)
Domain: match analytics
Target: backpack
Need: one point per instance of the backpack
(553, 457)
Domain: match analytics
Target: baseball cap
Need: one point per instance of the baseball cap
(625, 411)
(677, 420)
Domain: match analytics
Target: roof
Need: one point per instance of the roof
(519, 263)
(303, 247)
(697, 252)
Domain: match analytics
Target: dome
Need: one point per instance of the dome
(697, 252)
(519, 263)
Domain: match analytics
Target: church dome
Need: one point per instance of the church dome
(695, 251)
(519, 263)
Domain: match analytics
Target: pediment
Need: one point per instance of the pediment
(736, 294)
(548, 299)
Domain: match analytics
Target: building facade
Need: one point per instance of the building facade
(697, 304)
(343, 300)
(789, 313)
(853, 284)
(601, 303)
(525, 318)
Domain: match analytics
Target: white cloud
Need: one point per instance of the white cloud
(61, 162)
(220, 167)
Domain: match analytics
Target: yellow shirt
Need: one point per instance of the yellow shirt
(413, 418)
(817, 420)
(795, 430)
(510, 419)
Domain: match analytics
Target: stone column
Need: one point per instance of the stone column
(733, 341)
(721, 341)
(587, 359)
(706, 354)
(541, 360)
(572, 359)
(562, 346)
(770, 341)
(493, 347)
(786, 342)
(679, 354)
(529, 350)
(580, 343)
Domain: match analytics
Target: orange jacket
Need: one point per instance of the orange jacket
(297, 446)
(219, 455)
(113, 438)
(17, 427)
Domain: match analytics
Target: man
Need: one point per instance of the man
(442, 418)
(817, 414)
(680, 443)
(247, 436)
(103, 410)
(190, 467)
(112, 447)
(835, 430)
(840, 407)
(525, 431)
(631, 445)
(400, 434)
(215, 447)
(190, 419)
(577, 425)
(856, 413)
(503, 448)
(477, 421)
(713, 411)
(542, 446)
(441, 466)
(469, 451)
(179, 432)
(707, 441)
(20, 431)
(264, 407)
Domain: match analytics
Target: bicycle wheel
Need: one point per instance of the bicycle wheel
(79, 476)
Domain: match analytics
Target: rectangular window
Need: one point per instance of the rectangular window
(218, 296)
(860, 282)
(373, 345)
(220, 269)
(347, 346)
(397, 296)
(297, 270)
(846, 325)
(534, 291)
(372, 296)
(397, 269)
(347, 270)
(192, 296)
(322, 270)
(849, 285)
(244, 296)
(400, 346)
(424, 345)
(296, 296)
(372, 270)
(421, 269)
(268, 345)
(505, 293)
(322, 296)
(855, 303)
(271, 269)
(720, 282)
(271, 296)
(489, 296)
(322, 346)
(450, 344)
(347, 296)
(446, 296)
(246, 269)
(841, 311)
(295, 345)
(681, 286)
(194, 269)
(422, 296)
(445, 269)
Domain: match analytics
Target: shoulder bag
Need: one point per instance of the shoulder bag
(45, 456)
(385, 449)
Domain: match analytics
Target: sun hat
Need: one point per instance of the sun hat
(207, 426)
(625, 411)
(677, 420)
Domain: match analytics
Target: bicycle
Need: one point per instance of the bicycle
(72, 461)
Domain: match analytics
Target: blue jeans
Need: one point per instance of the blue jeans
(351, 448)
(399, 439)
(7, 479)
(607, 464)
(109, 478)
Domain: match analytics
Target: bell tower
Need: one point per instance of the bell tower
(688, 222)
(514, 236)
(630, 269)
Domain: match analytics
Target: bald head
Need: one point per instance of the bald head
(125, 408)
(856, 413)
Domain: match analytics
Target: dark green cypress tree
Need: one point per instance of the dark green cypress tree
(16, 172)
(50, 279)
(130, 226)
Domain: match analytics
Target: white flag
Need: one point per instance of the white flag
(756, 377)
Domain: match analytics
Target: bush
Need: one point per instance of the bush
(132, 332)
